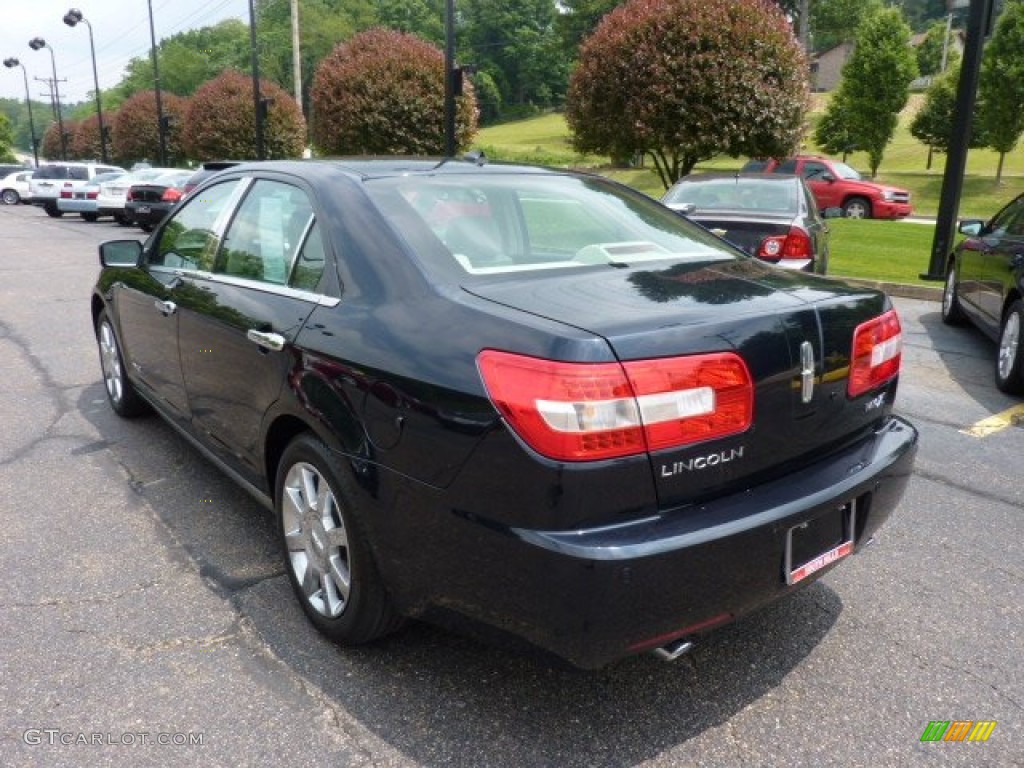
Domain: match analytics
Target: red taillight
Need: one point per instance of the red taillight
(586, 411)
(65, 191)
(795, 245)
(128, 195)
(171, 195)
(92, 195)
(877, 352)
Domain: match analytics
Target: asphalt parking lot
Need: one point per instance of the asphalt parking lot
(145, 618)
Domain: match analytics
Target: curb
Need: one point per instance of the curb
(903, 290)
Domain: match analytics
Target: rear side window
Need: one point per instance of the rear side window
(786, 166)
(78, 173)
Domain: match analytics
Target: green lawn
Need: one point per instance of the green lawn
(890, 251)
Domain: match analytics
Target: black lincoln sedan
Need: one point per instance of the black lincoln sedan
(985, 284)
(527, 399)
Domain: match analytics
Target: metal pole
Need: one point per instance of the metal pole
(296, 54)
(60, 118)
(99, 104)
(956, 159)
(156, 83)
(13, 62)
(449, 82)
(256, 83)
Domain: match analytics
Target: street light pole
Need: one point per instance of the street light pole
(156, 83)
(71, 18)
(35, 44)
(257, 102)
(13, 62)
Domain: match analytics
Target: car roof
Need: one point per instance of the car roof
(739, 176)
(385, 167)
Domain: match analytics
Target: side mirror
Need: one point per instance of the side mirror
(684, 209)
(120, 253)
(971, 227)
(826, 176)
(835, 212)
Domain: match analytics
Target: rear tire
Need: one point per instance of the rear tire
(90, 216)
(952, 313)
(329, 562)
(1010, 357)
(52, 210)
(857, 208)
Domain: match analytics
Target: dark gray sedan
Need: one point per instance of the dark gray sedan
(985, 283)
(770, 216)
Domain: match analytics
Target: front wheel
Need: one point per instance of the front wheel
(952, 313)
(10, 197)
(1009, 363)
(120, 391)
(857, 208)
(327, 557)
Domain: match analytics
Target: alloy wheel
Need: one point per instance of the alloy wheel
(110, 360)
(1009, 341)
(316, 540)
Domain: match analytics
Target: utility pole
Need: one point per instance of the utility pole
(296, 54)
(449, 79)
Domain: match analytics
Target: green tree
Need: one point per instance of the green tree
(6, 140)
(684, 80)
(832, 132)
(579, 18)
(836, 21)
(876, 82)
(516, 42)
(933, 123)
(929, 52)
(220, 121)
(1001, 83)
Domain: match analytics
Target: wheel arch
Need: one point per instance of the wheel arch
(1014, 294)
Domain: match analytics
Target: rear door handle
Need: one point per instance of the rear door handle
(274, 341)
(166, 308)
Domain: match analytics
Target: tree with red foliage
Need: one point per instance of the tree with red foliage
(84, 143)
(134, 135)
(51, 147)
(382, 93)
(685, 80)
(221, 122)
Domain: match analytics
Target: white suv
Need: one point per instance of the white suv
(48, 180)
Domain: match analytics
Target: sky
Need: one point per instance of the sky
(120, 31)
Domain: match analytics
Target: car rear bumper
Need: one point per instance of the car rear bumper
(595, 595)
(76, 206)
(886, 210)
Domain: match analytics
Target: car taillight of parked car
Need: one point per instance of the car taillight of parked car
(877, 353)
(587, 411)
(66, 192)
(171, 195)
(128, 195)
(795, 245)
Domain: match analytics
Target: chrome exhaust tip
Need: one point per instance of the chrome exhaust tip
(672, 651)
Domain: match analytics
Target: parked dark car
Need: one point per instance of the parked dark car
(205, 171)
(146, 203)
(533, 400)
(985, 284)
(770, 216)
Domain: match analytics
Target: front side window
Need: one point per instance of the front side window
(814, 170)
(190, 239)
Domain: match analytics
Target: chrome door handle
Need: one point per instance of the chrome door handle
(165, 308)
(274, 341)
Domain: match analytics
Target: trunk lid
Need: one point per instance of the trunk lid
(744, 233)
(764, 314)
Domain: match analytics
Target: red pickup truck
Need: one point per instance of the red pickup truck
(835, 184)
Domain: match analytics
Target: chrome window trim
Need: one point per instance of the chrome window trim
(287, 291)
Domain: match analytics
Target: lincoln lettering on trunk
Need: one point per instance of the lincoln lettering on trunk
(701, 462)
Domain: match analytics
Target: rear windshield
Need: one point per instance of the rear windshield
(522, 223)
(51, 172)
(767, 195)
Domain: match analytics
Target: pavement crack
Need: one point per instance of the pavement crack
(96, 600)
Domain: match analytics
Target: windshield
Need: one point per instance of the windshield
(735, 194)
(845, 171)
(522, 223)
